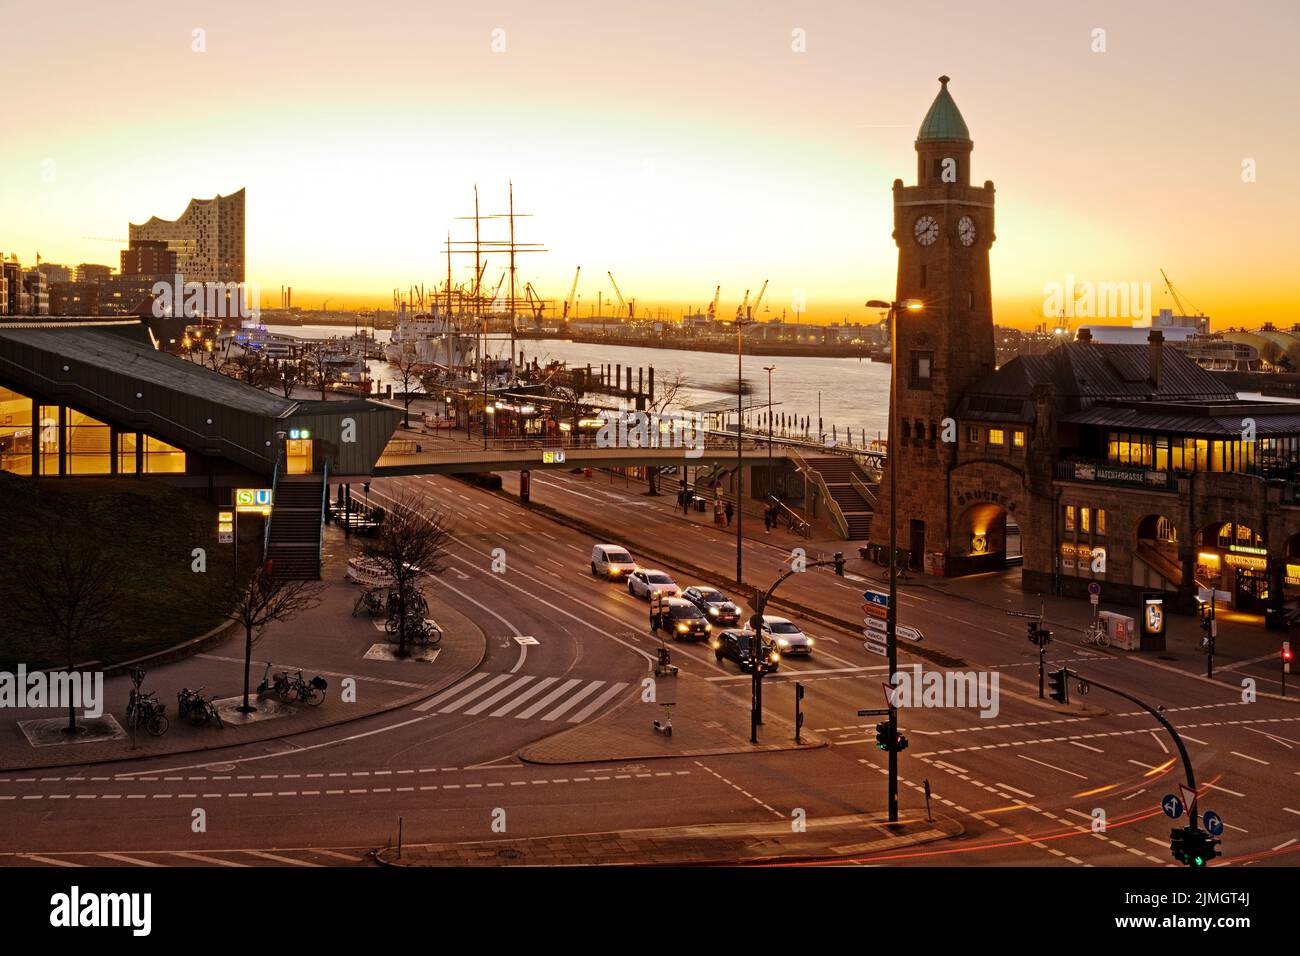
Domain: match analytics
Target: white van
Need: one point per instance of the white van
(612, 562)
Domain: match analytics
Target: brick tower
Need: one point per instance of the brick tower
(943, 227)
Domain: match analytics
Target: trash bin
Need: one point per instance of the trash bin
(700, 504)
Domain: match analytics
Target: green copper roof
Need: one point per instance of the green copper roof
(944, 119)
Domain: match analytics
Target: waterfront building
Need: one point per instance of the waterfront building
(1124, 465)
(208, 238)
(89, 272)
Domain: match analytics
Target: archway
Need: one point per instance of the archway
(979, 539)
(1231, 560)
(1156, 565)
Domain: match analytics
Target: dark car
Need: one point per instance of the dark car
(714, 605)
(735, 645)
(680, 618)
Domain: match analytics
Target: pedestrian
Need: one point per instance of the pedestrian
(717, 511)
(767, 520)
(730, 510)
(686, 501)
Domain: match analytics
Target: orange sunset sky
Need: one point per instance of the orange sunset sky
(678, 144)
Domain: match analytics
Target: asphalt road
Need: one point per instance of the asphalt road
(1028, 784)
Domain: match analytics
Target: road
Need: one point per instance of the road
(1029, 785)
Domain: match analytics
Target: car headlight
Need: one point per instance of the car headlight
(708, 626)
(683, 628)
(713, 611)
(775, 656)
(716, 645)
(810, 642)
(782, 642)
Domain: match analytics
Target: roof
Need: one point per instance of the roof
(87, 344)
(944, 120)
(1135, 334)
(1217, 419)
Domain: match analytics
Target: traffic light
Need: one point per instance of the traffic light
(1193, 847)
(901, 743)
(1287, 654)
(839, 563)
(1178, 844)
(882, 736)
(1033, 632)
(1058, 686)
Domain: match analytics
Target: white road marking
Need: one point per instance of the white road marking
(1052, 766)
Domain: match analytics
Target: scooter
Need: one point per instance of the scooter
(666, 727)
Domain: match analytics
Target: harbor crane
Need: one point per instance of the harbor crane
(1183, 309)
(628, 306)
(754, 308)
(571, 302)
(713, 306)
(534, 302)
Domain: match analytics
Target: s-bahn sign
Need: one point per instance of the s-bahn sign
(254, 500)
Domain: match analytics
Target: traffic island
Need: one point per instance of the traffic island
(829, 841)
(708, 717)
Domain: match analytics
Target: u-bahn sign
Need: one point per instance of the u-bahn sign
(253, 500)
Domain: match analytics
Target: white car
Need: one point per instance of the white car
(611, 562)
(642, 583)
(786, 635)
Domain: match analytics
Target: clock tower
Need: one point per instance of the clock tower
(943, 227)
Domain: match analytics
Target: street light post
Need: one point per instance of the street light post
(891, 619)
(740, 459)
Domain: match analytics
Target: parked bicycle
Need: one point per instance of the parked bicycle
(292, 687)
(197, 708)
(372, 601)
(144, 710)
(1096, 634)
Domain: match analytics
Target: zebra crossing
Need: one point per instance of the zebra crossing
(296, 856)
(525, 697)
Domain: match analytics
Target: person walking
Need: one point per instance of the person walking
(730, 510)
(767, 520)
(717, 511)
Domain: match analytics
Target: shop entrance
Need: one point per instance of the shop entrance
(298, 456)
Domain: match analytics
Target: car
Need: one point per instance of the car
(789, 639)
(680, 618)
(643, 582)
(612, 562)
(714, 605)
(734, 644)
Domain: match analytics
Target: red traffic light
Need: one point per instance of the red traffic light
(1286, 653)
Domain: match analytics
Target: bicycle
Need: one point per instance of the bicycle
(370, 602)
(144, 710)
(294, 688)
(1096, 634)
(199, 709)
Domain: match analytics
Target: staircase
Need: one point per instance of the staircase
(296, 527)
(1161, 563)
(850, 490)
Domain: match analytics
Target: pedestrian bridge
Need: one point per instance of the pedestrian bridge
(419, 453)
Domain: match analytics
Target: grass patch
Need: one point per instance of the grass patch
(149, 531)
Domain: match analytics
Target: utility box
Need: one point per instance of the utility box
(1121, 630)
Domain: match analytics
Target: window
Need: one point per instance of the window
(50, 439)
(996, 436)
(1018, 438)
(15, 432)
(1069, 517)
(89, 445)
(1101, 520)
(161, 458)
(126, 446)
(973, 434)
(1085, 520)
(921, 369)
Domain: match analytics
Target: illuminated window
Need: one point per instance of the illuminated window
(1018, 438)
(1101, 520)
(15, 432)
(1085, 519)
(50, 444)
(996, 436)
(161, 458)
(89, 445)
(1069, 517)
(126, 446)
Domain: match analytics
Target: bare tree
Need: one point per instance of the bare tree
(265, 599)
(665, 397)
(72, 594)
(249, 367)
(293, 372)
(407, 372)
(412, 540)
(321, 370)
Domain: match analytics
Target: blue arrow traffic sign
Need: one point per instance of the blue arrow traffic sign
(1172, 806)
(1213, 823)
(876, 597)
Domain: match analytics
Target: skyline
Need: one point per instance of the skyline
(716, 156)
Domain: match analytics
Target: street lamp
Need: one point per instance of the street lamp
(740, 430)
(891, 620)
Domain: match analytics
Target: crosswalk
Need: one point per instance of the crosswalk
(525, 697)
(296, 856)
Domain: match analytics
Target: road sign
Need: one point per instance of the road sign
(553, 457)
(1172, 806)
(876, 597)
(1094, 588)
(891, 692)
(1213, 823)
(910, 633)
(875, 610)
(875, 624)
(874, 648)
(1189, 798)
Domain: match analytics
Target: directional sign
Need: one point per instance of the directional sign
(876, 597)
(1172, 806)
(875, 624)
(553, 457)
(874, 648)
(910, 633)
(875, 610)
(1213, 823)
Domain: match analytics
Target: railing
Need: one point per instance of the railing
(832, 506)
(865, 491)
(798, 524)
(324, 513)
(266, 532)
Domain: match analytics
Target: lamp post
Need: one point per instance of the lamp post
(769, 369)
(891, 620)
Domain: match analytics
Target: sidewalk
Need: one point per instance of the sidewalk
(829, 840)
(327, 641)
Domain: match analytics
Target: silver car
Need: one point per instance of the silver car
(643, 583)
(786, 635)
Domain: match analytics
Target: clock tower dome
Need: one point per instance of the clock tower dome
(943, 227)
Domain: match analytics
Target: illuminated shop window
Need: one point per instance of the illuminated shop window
(15, 432)
(89, 445)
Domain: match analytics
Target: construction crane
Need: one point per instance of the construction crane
(534, 301)
(629, 307)
(713, 306)
(573, 289)
(754, 308)
(743, 309)
(1182, 309)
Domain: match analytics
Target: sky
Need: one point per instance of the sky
(679, 145)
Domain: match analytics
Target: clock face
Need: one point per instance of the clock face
(966, 230)
(926, 230)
